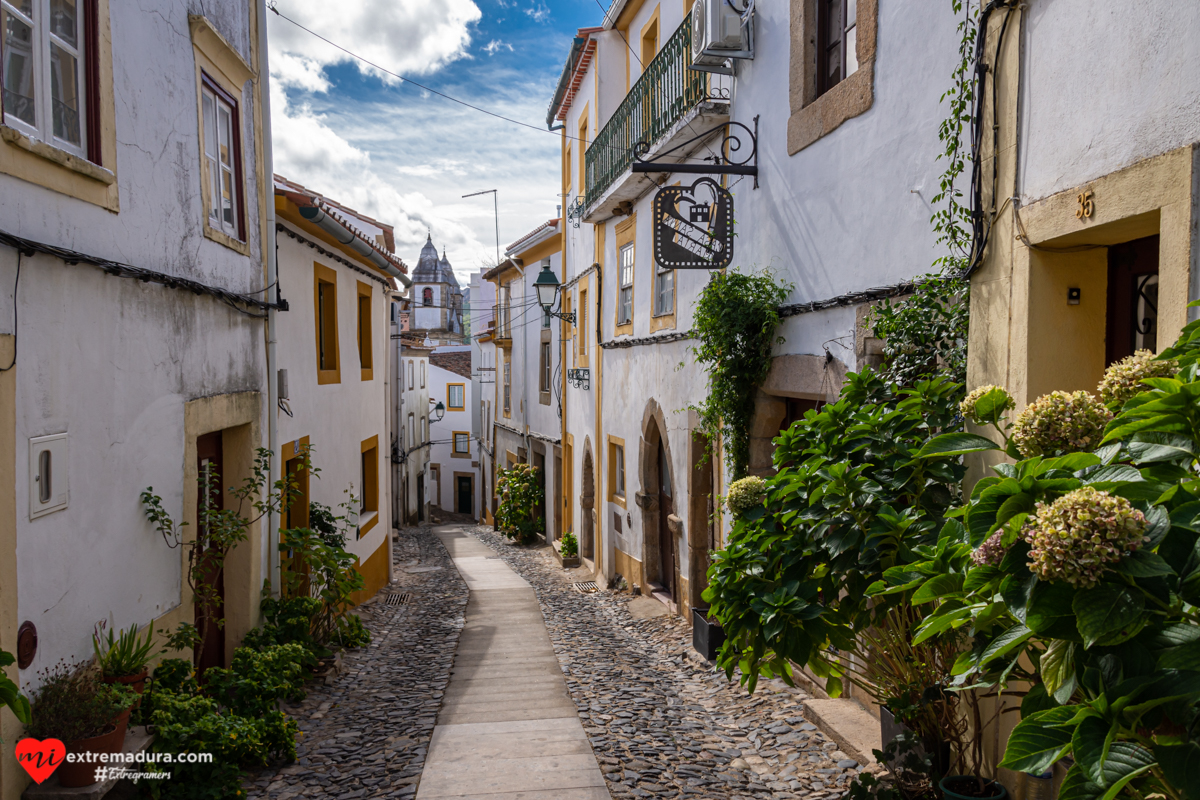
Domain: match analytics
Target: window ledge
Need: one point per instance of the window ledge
(366, 522)
(223, 238)
(544, 398)
(617, 499)
(58, 156)
(460, 455)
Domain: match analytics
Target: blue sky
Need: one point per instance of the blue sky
(405, 156)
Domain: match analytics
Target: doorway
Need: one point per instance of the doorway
(587, 504)
(466, 494)
(539, 464)
(209, 456)
(421, 498)
(1132, 318)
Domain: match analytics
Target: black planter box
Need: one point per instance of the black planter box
(707, 635)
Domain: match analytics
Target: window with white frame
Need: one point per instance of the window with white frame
(45, 72)
(222, 158)
(422, 374)
(625, 298)
(412, 432)
(410, 373)
(424, 430)
(618, 470)
(544, 371)
(462, 443)
(455, 396)
(507, 388)
(664, 292)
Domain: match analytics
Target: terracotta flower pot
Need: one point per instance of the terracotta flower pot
(136, 682)
(83, 773)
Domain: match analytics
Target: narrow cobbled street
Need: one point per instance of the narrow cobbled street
(659, 721)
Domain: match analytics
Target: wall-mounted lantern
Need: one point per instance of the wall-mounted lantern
(547, 287)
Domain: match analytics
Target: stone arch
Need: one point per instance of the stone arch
(661, 524)
(587, 504)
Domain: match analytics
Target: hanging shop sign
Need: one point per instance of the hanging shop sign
(693, 226)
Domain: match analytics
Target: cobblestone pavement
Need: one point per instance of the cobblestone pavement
(661, 722)
(365, 733)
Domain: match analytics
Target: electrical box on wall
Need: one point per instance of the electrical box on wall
(48, 489)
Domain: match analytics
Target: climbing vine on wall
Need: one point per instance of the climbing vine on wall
(925, 334)
(735, 321)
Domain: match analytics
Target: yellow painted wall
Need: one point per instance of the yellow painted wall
(375, 574)
(1066, 343)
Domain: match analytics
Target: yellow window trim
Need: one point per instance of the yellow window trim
(581, 314)
(658, 34)
(323, 274)
(613, 497)
(218, 59)
(456, 408)
(625, 233)
(47, 166)
(367, 373)
(568, 157)
(370, 493)
(453, 453)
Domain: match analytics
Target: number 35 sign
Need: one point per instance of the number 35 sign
(693, 226)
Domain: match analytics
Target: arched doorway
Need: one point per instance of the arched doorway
(587, 505)
(658, 501)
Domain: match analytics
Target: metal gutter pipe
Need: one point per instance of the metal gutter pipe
(347, 237)
(270, 250)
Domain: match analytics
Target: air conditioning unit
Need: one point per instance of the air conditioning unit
(720, 31)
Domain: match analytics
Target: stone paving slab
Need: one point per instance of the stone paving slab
(500, 735)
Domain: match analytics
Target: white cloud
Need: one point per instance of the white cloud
(404, 36)
(495, 45)
(539, 11)
(293, 71)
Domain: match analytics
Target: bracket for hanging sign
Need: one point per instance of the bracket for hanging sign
(723, 164)
(580, 378)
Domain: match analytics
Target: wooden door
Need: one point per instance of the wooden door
(666, 540)
(466, 495)
(1132, 321)
(209, 459)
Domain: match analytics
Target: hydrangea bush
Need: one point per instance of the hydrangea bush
(986, 405)
(1060, 422)
(1123, 380)
(520, 491)
(745, 494)
(1076, 572)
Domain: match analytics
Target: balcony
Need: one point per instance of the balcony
(501, 324)
(669, 104)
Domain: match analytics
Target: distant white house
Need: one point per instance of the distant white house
(454, 454)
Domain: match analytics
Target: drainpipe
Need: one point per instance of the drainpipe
(270, 250)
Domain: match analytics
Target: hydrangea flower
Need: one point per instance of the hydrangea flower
(999, 401)
(745, 494)
(990, 553)
(1060, 423)
(1075, 538)
(1123, 380)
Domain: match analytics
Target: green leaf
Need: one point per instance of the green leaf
(1005, 643)
(1149, 447)
(1181, 767)
(1057, 665)
(1109, 474)
(938, 586)
(1187, 516)
(1048, 602)
(1089, 746)
(1108, 611)
(953, 444)
(1144, 564)
(1035, 743)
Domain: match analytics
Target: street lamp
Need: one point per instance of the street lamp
(547, 287)
(439, 411)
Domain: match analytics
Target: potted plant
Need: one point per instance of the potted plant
(75, 706)
(123, 658)
(567, 550)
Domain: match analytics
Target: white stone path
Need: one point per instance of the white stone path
(508, 729)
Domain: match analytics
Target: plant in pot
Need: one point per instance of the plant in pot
(123, 658)
(75, 706)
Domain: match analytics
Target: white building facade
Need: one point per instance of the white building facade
(454, 453)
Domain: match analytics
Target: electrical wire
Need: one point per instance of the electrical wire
(622, 35)
(272, 6)
(16, 285)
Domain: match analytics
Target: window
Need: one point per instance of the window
(616, 470)
(456, 396)
(664, 292)
(427, 296)
(369, 477)
(649, 42)
(45, 72)
(393, 313)
(364, 330)
(836, 42)
(328, 368)
(412, 432)
(410, 373)
(625, 299)
(507, 388)
(583, 137)
(544, 371)
(221, 135)
(425, 429)
(462, 443)
(422, 374)
(569, 166)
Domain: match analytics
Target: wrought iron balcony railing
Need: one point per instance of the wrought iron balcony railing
(666, 91)
(503, 322)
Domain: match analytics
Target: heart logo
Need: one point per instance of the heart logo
(40, 758)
